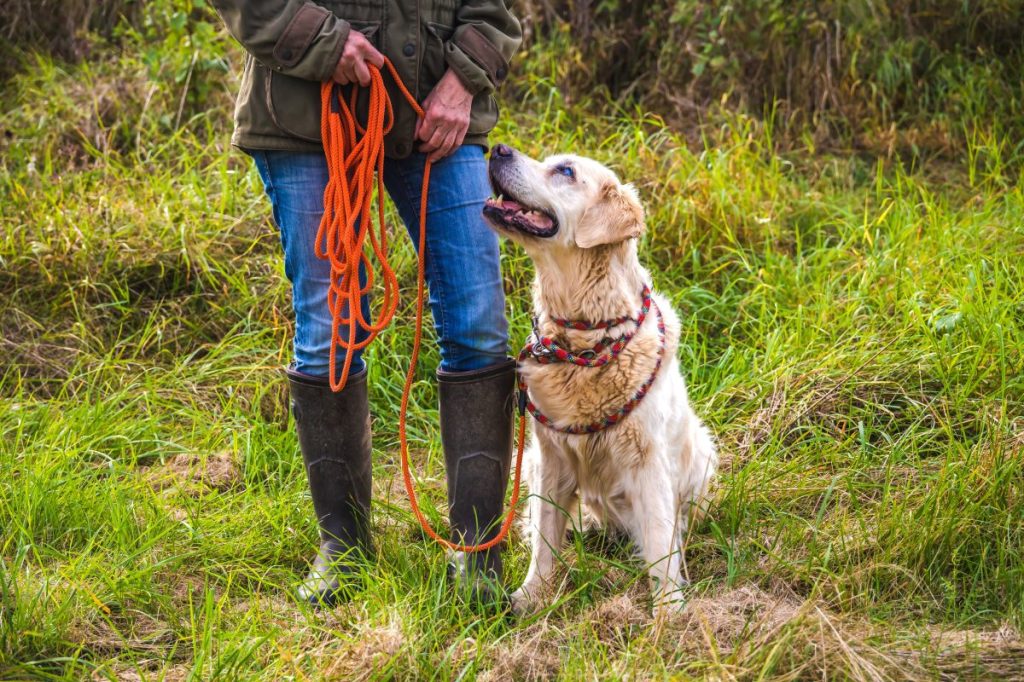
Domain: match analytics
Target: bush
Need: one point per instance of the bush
(58, 27)
(848, 69)
(183, 30)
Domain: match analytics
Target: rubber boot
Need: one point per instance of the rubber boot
(476, 432)
(334, 435)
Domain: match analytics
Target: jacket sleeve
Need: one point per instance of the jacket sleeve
(486, 37)
(295, 37)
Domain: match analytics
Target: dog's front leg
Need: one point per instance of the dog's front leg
(552, 484)
(656, 529)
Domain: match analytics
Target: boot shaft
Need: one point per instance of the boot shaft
(476, 432)
(334, 436)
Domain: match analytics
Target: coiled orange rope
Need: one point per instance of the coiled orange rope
(355, 151)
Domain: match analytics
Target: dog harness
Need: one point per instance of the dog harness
(545, 350)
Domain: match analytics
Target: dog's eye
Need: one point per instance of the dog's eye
(566, 170)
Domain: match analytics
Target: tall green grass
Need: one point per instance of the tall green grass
(853, 328)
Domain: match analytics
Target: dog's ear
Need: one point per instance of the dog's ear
(615, 217)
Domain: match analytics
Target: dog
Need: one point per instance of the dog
(613, 429)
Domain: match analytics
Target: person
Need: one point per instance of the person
(452, 56)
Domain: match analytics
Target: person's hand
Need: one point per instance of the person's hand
(357, 54)
(446, 117)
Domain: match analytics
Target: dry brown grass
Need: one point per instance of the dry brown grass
(192, 473)
(531, 655)
(145, 672)
(124, 632)
(742, 632)
(368, 649)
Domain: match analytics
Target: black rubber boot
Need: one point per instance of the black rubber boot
(334, 435)
(476, 432)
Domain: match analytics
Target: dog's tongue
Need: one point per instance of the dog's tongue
(515, 211)
(539, 220)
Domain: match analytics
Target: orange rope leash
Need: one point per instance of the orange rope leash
(354, 153)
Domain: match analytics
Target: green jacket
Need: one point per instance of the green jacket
(293, 45)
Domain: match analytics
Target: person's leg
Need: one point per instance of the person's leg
(463, 269)
(294, 182)
(333, 428)
(476, 378)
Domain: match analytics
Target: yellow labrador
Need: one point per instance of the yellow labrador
(612, 425)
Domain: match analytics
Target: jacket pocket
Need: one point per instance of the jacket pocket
(294, 103)
(485, 114)
(369, 29)
(440, 31)
(434, 64)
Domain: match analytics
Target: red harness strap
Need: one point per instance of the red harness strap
(545, 351)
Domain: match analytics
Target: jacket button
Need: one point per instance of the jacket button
(409, 50)
(500, 73)
(287, 54)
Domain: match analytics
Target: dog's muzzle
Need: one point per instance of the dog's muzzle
(505, 210)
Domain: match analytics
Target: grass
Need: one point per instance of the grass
(853, 328)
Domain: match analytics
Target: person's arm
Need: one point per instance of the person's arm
(295, 37)
(486, 37)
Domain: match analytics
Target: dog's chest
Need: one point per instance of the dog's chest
(605, 466)
(571, 395)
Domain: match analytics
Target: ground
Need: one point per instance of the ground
(852, 332)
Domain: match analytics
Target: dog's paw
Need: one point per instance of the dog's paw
(671, 599)
(667, 607)
(524, 601)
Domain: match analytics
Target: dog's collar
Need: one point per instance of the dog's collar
(545, 351)
(585, 325)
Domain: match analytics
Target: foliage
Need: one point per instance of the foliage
(58, 27)
(847, 71)
(182, 39)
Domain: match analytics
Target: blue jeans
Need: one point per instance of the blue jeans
(462, 264)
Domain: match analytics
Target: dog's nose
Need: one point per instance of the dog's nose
(502, 150)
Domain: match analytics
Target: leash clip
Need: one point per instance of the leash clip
(539, 350)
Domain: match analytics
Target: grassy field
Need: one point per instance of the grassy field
(853, 333)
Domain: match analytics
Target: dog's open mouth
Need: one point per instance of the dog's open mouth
(505, 211)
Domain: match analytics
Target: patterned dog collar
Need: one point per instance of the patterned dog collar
(545, 351)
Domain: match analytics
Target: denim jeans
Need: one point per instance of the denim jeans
(462, 264)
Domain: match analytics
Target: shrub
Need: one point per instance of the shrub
(848, 69)
(58, 27)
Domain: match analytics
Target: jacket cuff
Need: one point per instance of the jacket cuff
(334, 50)
(311, 44)
(477, 62)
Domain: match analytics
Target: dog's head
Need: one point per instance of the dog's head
(565, 200)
